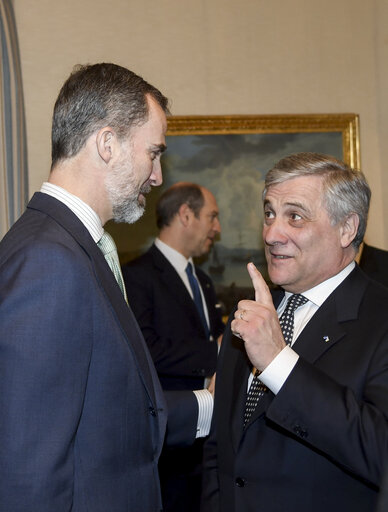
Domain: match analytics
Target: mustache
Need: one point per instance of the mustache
(145, 188)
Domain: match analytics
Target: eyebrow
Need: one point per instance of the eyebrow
(158, 148)
(291, 204)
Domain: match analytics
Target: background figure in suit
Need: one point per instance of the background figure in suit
(183, 346)
(316, 439)
(82, 412)
(374, 262)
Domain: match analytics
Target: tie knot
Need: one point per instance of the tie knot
(295, 301)
(189, 269)
(106, 244)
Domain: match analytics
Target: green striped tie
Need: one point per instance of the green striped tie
(108, 248)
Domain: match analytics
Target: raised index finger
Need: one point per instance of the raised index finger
(262, 293)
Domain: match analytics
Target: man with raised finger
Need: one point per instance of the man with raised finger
(301, 405)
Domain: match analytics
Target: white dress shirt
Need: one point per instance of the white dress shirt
(83, 211)
(280, 368)
(179, 262)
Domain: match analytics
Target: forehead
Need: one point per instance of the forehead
(156, 113)
(301, 190)
(209, 200)
(156, 123)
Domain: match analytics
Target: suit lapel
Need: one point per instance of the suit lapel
(175, 285)
(240, 377)
(328, 325)
(125, 318)
(233, 361)
(321, 333)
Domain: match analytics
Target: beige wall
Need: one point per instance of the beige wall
(220, 57)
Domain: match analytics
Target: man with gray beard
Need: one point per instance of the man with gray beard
(83, 416)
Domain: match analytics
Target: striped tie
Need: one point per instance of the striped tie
(108, 249)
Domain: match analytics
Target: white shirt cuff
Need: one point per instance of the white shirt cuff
(205, 411)
(276, 373)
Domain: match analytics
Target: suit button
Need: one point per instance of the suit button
(301, 432)
(152, 411)
(240, 482)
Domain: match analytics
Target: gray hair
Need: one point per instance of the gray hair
(95, 96)
(345, 190)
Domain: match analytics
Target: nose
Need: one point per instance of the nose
(217, 225)
(274, 232)
(156, 177)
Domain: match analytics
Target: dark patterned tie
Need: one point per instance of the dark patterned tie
(257, 388)
(197, 296)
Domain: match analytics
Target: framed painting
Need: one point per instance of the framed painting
(230, 155)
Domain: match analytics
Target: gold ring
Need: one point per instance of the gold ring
(242, 314)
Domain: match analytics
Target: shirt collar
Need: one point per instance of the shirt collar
(320, 293)
(177, 260)
(83, 211)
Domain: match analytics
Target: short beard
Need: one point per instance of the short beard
(129, 211)
(124, 199)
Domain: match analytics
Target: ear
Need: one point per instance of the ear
(349, 229)
(105, 141)
(185, 213)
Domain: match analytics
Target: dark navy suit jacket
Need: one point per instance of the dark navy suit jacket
(82, 413)
(321, 443)
(374, 262)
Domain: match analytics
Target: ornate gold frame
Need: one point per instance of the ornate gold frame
(347, 124)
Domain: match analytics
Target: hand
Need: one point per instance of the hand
(256, 323)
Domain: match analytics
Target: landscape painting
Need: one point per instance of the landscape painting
(231, 159)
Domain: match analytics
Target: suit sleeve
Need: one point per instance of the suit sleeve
(210, 485)
(349, 426)
(182, 418)
(45, 347)
(176, 348)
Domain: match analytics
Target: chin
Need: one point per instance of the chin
(129, 212)
(277, 278)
